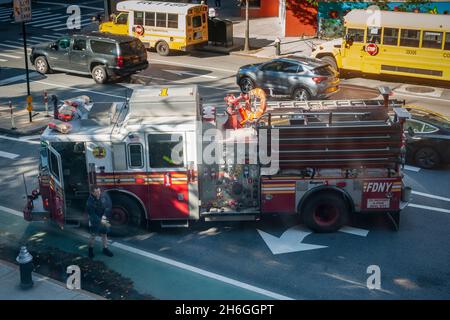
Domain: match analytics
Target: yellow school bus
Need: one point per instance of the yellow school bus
(396, 43)
(164, 26)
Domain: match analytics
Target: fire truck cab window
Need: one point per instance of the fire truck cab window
(54, 165)
(160, 148)
(135, 156)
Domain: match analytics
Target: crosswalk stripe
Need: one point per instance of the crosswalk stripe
(9, 46)
(9, 56)
(3, 60)
(65, 24)
(45, 23)
(55, 17)
(40, 39)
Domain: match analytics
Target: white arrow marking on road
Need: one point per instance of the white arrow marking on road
(354, 231)
(290, 240)
(411, 168)
(180, 73)
(8, 155)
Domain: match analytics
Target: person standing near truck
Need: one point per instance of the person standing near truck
(98, 208)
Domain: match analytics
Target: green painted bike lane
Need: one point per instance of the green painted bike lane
(158, 276)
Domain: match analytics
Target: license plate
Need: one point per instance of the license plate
(332, 89)
(378, 203)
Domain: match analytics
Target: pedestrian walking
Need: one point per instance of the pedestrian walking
(218, 3)
(99, 209)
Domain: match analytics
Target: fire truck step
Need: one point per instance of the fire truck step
(229, 217)
(72, 223)
(175, 224)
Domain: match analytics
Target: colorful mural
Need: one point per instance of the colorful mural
(330, 14)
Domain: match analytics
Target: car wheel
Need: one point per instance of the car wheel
(99, 74)
(301, 94)
(162, 48)
(427, 158)
(331, 61)
(246, 84)
(41, 65)
(325, 212)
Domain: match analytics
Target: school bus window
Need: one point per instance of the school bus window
(172, 20)
(432, 39)
(197, 21)
(447, 41)
(150, 19)
(390, 36)
(374, 35)
(138, 17)
(356, 34)
(161, 20)
(409, 38)
(122, 18)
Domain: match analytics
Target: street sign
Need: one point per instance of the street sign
(22, 10)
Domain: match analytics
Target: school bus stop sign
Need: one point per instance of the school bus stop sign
(372, 49)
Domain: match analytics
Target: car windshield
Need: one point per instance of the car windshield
(436, 120)
(131, 48)
(323, 71)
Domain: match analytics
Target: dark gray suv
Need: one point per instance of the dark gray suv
(102, 55)
(300, 78)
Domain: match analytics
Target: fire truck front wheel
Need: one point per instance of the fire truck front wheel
(126, 215)
(325, 212)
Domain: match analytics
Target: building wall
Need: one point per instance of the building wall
(268, 8)
(301, 18)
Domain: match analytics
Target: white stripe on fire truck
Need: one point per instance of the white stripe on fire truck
(277, 189)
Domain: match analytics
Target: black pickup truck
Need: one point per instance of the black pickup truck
(103, 55)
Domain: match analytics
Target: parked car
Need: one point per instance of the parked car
(104, 56)
(428, 138)
(298, 77)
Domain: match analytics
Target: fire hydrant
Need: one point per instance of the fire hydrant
(278, 46)
(25, 260)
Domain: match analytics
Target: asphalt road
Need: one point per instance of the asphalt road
(413, 261)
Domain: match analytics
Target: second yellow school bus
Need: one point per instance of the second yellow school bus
(164, 26)
(397, 43)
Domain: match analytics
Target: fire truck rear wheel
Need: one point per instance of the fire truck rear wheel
(325, 212)
(126, 215)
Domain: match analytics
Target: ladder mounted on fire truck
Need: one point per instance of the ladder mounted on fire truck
(337, 134)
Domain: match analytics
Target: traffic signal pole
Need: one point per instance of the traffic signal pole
(29, 98)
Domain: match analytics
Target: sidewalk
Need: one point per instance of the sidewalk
(43, 288)
(263, 32)
(22, 119)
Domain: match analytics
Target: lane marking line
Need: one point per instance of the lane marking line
(428, 208)
(20, 140)
(193, 65)
(12, 211)
(9, 56)
(81, 90)
(432, 196)
(181, 265)
(412, 168)
(355, 231)
(201, 272)
(18, 78)
(8, 155)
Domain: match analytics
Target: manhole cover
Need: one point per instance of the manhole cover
(419, 89)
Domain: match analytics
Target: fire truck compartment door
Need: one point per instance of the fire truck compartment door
(57, 201)
(168, 177)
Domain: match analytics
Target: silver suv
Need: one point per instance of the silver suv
(298, 77)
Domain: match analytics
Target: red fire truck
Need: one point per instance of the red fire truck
(329, 159)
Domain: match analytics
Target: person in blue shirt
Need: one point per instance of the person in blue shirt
(99, 210)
